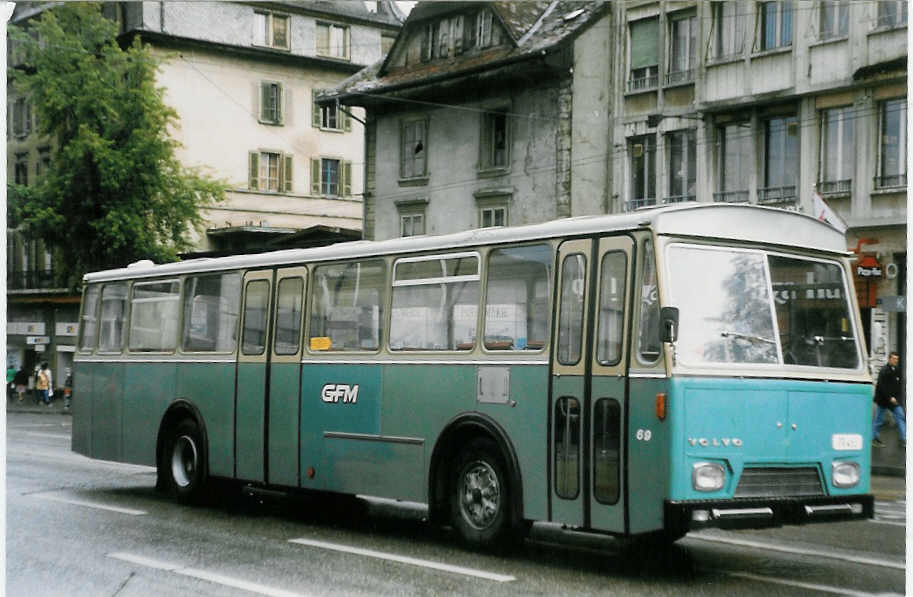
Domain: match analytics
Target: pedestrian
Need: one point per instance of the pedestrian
(21, 380)
(10, 386)
(43, 385)
(67, 389)
(888, 396)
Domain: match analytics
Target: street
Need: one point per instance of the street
(81, 527)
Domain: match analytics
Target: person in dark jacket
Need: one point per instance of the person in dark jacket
(888, 396)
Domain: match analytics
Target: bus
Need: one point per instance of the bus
(639, 375)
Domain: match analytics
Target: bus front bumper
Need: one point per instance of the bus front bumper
(755, 513)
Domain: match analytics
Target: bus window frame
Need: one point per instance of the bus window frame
(126, 317)
(183, 297)
(309, 298)
(478, 277)
(180, 323)
(550, 280)
(82, 306)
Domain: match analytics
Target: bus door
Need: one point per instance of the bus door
(253, 365)
(588, 383)
(283, 410)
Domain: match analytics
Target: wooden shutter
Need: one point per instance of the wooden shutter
(346, 120)
(287, 173)
(253, 170)
(347, 179)
(278, 99)
(348, 44)
(264, 101)
(315, 110)
(287, 113)
(315, 176)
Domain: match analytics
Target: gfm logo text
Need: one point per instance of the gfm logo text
(339, 392)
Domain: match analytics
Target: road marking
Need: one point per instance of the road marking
(405, 560)
(896, 524)
(212, 577)
(796, 550)
(54, 435)
(17, 427)
(806, 585)
(96, 505)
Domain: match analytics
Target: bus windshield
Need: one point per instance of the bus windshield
(755, 307)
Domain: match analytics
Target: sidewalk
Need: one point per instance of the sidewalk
(28, 405)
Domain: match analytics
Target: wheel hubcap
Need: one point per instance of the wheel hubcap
(184, 461)
(480, 494)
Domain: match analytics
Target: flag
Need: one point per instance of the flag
(823, 212)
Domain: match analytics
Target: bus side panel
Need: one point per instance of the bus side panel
(525, 425)
(83, 396)
(648, 443)
(283, 424)
(107, 411)
(344, 400)
(211, 388)
(419, 400)
(149, 388)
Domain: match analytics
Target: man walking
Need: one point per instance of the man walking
(888, 390)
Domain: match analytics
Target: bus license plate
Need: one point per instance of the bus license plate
(846, 441)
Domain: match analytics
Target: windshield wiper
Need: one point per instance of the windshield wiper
(728, 334)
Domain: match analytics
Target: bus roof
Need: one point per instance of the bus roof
(726, 222)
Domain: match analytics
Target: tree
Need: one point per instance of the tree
(115, 191)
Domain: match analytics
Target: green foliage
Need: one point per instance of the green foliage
(115, 191)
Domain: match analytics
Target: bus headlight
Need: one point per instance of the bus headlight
(845, 474)
(708, 476)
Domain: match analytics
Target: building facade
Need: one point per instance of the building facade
(648, 103)
(242, 77)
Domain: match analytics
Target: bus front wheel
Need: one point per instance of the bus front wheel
(185, 461)
(480, 499)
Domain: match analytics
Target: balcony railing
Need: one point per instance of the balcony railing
(678, 77)
(643, 83)
(835, 187)
(777, 195)
(678, 199)
(731, 196)
(34, 279)
(638, 203)
(888, 182)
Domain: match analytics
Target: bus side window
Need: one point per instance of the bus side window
(288, 315)
(256, 305)
(606, 442)
(570, 317)
(516, 307)
(113, 310)
(211, 309)
(648, 346)
(88, 333)
(611, 308)
(347, 306)
(435, 303)
(154, 315)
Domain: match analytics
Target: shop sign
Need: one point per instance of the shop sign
(40, 347)
(868, 267)
(24, 328)
(36, 340)
(66, 329)
(893, 304)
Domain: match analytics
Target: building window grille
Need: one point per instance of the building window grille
(733, 162)
(682, 162)
(781, 160)
(728, 29)
(683, 49)
(642, 152)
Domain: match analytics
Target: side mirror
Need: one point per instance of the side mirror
(668, 318)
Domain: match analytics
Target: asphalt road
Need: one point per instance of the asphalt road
(81, 527)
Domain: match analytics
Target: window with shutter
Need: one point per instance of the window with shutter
(287, 174)
(253, 170)
(315, 176)
(644, 57)
(347, 179)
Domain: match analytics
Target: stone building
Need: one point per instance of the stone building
(242, 78)
(502, 114)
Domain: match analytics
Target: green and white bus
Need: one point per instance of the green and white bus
(646, 373)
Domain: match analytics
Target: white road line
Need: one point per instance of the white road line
(17, 427)
(212, 577)
(96, 505)
(896, 524)
(806, 585)
(405, 560)
(797, 550)
(54, 435)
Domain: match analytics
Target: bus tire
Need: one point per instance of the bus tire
(480, 498)
(185, 462)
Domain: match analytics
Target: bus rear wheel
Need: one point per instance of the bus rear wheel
(480, 495)
(185, 462)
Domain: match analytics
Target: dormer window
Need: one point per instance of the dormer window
(457, 34)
